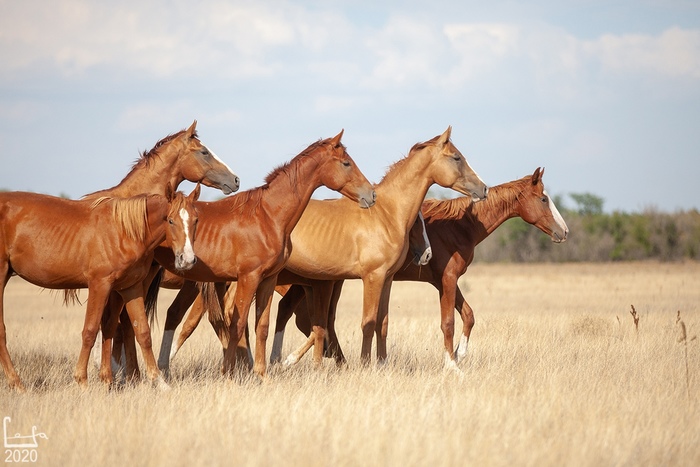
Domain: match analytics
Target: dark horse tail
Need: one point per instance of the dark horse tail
(151, 299)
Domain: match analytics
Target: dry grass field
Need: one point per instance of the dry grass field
(556, 375)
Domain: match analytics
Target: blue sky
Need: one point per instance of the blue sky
(605, 95)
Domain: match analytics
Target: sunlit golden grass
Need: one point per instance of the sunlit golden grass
(556, 375)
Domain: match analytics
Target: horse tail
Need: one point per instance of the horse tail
(151, 300)
(210, 300)
(70, 297)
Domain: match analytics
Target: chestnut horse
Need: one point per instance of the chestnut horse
(175, 158)
(246, 238)
(332, 241)
(104, 245)
(454, 228)
(419, 247)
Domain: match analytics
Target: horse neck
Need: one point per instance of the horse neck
(156, 212)
(404, 187)
(286, 196)
(500, 205)
(150, 176)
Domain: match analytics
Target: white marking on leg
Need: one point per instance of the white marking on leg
(292, 359)
(461, 352)
(451, 365)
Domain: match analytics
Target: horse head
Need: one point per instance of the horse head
(182, 226)
(536, 207)
(340, 173)
(201, 165)
(450, 169)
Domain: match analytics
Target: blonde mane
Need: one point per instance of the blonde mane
(129, 213)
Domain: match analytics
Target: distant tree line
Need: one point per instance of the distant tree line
(597, 236)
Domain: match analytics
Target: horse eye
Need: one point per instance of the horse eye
(170, 221)
(544, 199)
(346, 163)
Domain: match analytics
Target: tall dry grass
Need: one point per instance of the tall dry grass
(556, 375)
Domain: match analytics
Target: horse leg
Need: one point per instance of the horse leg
(236, 313)
(263, 302)
(294, 357)
(7, 366)
(322, 291)
(110, 321)
(176, 311)
(97, 300)
(133, 298)
(334, 350)
(447, 290)
(243, 358)
(372, 284)
(467, 315)
(125, 346)
(288, 306)
(382, 327)
(192, 320)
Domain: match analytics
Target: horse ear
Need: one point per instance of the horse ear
(335, 141)
(192, 129)
(537, 175)
(194, 196)
(445, 137)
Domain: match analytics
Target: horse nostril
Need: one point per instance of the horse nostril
(238, 181)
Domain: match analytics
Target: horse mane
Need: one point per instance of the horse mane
(249, 200)
(438, 209)
(415, 148)
(129, 213)
(456, 208)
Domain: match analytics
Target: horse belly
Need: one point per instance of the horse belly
(50, 275)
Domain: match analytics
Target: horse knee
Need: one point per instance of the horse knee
(448, 327)
(143, 337)
(89, 335)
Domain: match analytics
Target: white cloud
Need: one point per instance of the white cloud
(675, 52)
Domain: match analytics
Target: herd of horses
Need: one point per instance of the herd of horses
(123, 244)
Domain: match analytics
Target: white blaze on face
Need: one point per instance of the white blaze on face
(188, 250)
(218, 159)
(555, 213)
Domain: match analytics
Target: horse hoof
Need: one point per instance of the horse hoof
(18, 387)
(290, 360)
(161, 385)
